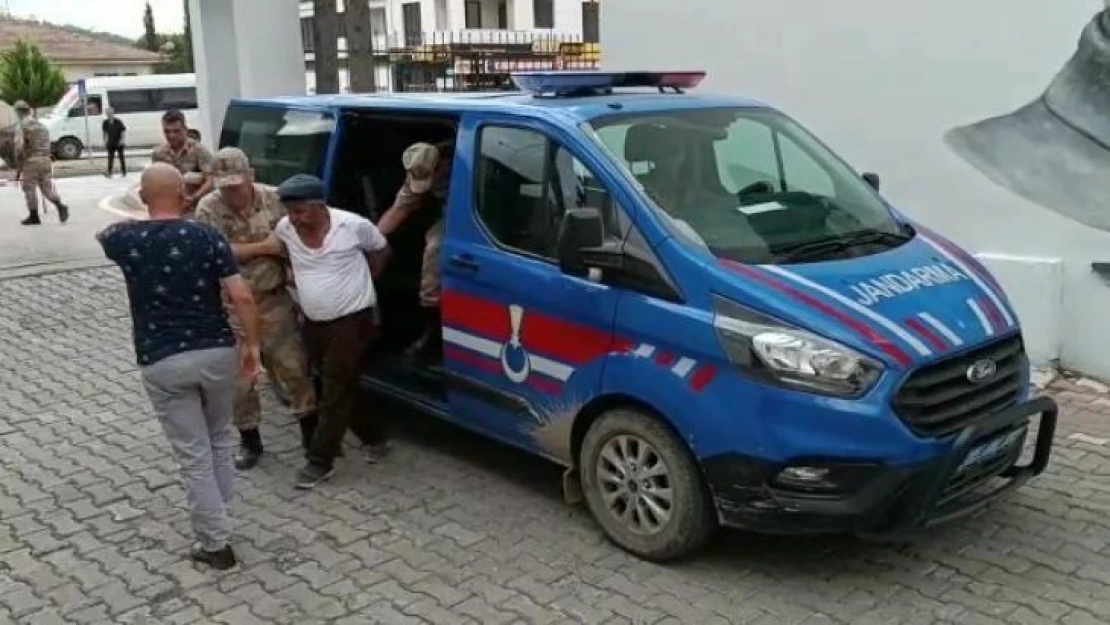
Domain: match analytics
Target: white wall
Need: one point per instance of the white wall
(883, 82)
(244, 48)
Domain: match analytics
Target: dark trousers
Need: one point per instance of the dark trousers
(113, 150)
(336, 350)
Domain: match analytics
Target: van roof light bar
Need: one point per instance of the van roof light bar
(585, 83)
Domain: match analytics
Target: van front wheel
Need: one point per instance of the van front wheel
(68, 149)
(644, 487)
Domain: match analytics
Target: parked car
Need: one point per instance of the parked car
(688, 301)
(138, 101)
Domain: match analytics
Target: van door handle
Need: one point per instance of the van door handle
(465, 262)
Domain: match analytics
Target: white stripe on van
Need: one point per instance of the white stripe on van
(974, 276)
(894, 328)
(944, 330)
(981, 316)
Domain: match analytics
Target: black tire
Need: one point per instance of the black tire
(693, 519)
(68, 149)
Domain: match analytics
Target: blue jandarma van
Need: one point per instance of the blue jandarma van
(688, 301)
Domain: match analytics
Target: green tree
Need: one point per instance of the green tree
(150, 34)
(26, 74)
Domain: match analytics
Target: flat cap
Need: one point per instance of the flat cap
(302, 188)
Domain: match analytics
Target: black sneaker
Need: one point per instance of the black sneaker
(311, 476)
(247, 458)
(63, 213)
(31, 220)
(373, 453)
(221, 560)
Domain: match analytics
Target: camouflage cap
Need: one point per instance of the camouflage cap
(21, 105)
(230, 167)
(420, 161)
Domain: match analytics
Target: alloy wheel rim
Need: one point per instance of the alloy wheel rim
(635, 484)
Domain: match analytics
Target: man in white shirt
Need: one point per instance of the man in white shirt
(335, 257)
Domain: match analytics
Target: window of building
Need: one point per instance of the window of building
(308, 40)
(591, 21)
(525, 183)
(544, 11)
(410, 14)
(503, 15)
(473, 11)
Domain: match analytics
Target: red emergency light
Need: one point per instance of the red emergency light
(578, 83)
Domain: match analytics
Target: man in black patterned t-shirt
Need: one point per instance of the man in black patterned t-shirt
(176, 272)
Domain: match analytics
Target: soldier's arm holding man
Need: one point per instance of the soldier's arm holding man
(204, 160)
(373, 244)
(244, 252)
(403, 207)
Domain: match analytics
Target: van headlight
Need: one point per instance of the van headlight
(776, 352)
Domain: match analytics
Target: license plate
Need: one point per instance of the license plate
(992, 449)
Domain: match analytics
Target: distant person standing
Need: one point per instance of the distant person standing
(177, 272)
(115, 137)
(335, 257)
(36, 172)
(186, 155)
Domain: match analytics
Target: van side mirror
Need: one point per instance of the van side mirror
(872, 179)
(581, 230)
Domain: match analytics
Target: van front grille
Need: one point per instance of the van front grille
(940, 399)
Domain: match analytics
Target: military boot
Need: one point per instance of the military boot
(428, 349)
(32, 219)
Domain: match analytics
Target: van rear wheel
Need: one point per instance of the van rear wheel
(643, 486)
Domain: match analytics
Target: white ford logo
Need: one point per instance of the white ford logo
(981, 371)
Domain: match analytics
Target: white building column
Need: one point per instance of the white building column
(456, 15)
(522, 15)
(244, 48)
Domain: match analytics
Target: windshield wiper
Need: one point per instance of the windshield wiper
(841, 242)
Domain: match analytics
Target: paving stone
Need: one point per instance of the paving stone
(94, 525)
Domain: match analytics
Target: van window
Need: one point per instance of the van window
(525, 183)
(93, 104)
(279, 142)
(180, 98)
(131, 101)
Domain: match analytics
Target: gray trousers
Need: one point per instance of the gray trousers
(193, 394)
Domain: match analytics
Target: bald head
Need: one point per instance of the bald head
(162, 189)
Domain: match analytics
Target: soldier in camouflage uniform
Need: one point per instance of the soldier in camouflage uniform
(36, 170)
(427, 177)
(246, 214)
(192, 159)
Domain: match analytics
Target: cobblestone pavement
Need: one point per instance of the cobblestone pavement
(452, 529)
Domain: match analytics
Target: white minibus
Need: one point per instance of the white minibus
(138, 101)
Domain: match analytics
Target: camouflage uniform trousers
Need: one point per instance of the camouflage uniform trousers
(429, 268)
(38, 174)
(284, 356)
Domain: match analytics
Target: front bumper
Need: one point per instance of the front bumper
(890, 501)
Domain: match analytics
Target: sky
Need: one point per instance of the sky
(123, 17)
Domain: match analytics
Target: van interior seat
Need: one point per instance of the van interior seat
(662, 148)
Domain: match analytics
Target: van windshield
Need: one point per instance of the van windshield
(750, 185)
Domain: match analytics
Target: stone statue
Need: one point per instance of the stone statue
(1055, 151)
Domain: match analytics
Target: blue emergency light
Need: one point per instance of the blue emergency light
(564, 83)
